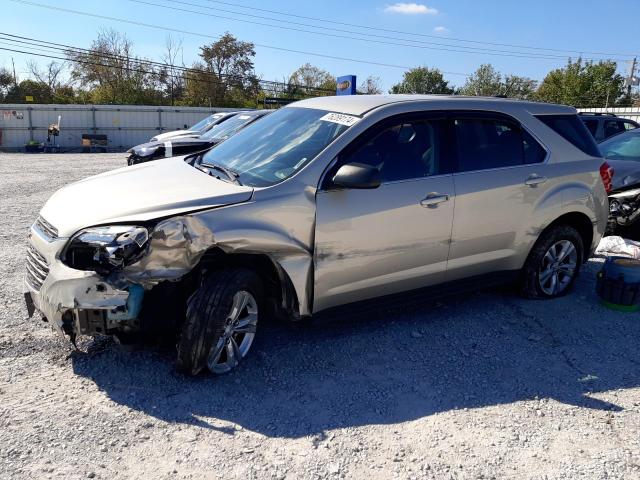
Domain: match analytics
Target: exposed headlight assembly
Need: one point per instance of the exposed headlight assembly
(105, 249)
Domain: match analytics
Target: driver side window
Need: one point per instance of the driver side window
(403, 151)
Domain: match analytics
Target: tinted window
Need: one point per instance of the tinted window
(402, 152)
(613, 127)
(592, 126)
(492, 143)
(573, 130)
(622, 147)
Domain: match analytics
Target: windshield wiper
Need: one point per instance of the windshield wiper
(231, 175)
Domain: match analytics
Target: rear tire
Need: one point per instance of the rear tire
(221, 322)
(553, 264)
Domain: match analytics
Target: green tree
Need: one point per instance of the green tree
(225, 77)
(6, 81)
(311, 76)
(487, 81)
(583, 84)
(40, 92)
(422, 80)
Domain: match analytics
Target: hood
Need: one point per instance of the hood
(137, 194)
(175, 134)
(626, 173)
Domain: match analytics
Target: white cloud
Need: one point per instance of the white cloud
(441, 29)
(410, 9)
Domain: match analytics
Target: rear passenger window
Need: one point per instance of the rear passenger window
(573, 130)
(491, 143)
(592, 126)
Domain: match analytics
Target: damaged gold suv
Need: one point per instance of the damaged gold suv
(323, 203)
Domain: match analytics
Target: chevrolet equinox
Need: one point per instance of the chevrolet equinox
(323, 203)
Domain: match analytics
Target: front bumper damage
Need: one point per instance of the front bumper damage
(78, 302)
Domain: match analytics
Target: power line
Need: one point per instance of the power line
(448, 47)
(369, 27)
(204, 35)
(212, 77)
(36, 43)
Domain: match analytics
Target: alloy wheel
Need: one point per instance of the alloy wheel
(558, 267)
(239, 332)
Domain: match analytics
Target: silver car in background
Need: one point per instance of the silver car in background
(323, 203)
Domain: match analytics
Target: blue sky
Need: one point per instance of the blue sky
(569, 26)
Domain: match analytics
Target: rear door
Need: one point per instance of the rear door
(393, 238)
(499, 178)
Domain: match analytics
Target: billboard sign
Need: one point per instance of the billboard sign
(346, 85)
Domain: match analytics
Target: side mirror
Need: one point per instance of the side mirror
(357, 175)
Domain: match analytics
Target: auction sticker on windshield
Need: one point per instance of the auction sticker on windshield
(340, 118)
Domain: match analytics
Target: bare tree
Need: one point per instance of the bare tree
(172, 76)
(371, 85)
(112, 72)
(52, 75)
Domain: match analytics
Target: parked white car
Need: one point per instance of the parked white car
(200, 128)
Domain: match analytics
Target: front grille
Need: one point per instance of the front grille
(37, 268)
(48, 231)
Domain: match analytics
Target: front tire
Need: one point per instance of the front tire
(554, 263)
(221, 321)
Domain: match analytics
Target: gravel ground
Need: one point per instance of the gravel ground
(484, 385)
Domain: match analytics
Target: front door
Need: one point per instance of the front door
(373, 242)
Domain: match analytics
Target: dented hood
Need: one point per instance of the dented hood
(138, 193)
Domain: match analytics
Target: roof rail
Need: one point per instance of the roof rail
(598, 114)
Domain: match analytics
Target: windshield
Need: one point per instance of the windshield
(622, 147)
(276, 147)
(224, 130)
(205, 122)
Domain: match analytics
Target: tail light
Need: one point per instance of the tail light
(606, 173)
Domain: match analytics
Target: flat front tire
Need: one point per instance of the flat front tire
(553, 264)
(221, 322)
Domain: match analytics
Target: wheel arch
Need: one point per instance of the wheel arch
(276, 281)
(581, 223)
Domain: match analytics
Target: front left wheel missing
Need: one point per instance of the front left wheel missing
(221, 322)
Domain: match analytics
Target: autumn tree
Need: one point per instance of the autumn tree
(112, 73)
(225, 76)
(422, 80)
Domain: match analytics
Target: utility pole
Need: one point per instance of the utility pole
(15, 79)
(632, 76)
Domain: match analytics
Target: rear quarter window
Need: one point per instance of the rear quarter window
(571, 128)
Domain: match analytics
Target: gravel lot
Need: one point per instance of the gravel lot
(484, 385)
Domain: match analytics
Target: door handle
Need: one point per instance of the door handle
(433, 200)
(534, 180)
